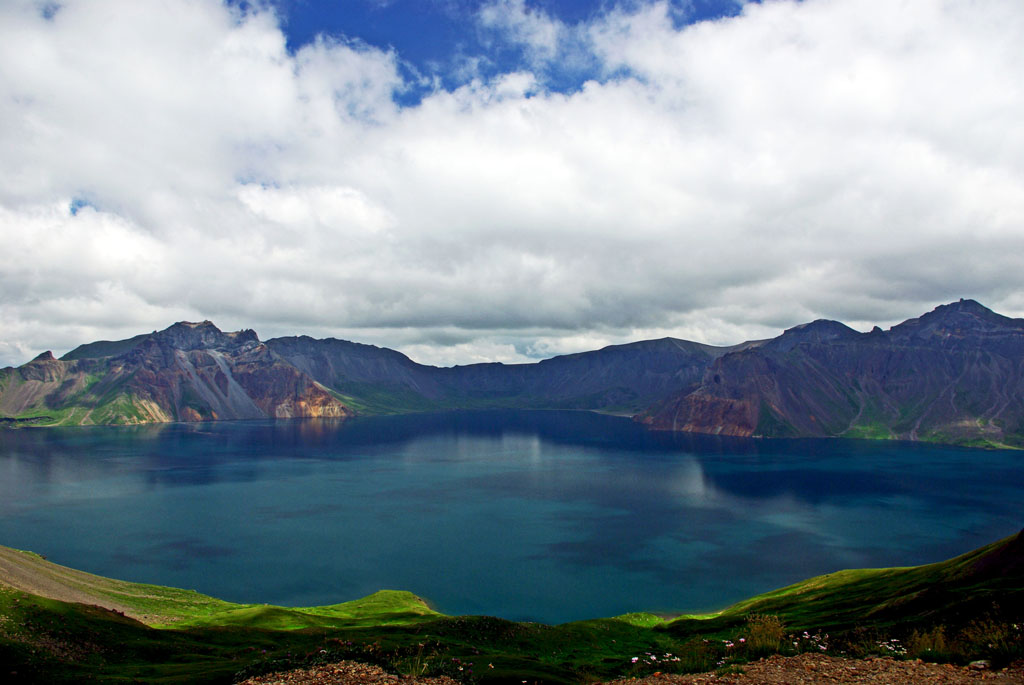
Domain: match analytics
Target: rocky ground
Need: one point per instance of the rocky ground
(342, 673)
(819, 668)
(796, 670)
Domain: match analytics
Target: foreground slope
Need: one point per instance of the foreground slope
(57, 624)
(956, 590)
(155, 605)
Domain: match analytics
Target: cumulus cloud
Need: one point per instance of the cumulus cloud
(851, 159)
(532, 28)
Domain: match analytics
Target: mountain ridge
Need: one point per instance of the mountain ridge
(954, 375)
(186, 372)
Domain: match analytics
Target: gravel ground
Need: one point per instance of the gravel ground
(819, 668)
(776, 670)
(342, 673)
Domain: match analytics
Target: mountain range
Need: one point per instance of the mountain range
(953, 375)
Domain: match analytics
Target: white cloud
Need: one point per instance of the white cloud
(854, 159)
(536, 30)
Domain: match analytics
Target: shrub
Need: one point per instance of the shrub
(987, 637)
(764, 634)
(929, 645)
(696, 656)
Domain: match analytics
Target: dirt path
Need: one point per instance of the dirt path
(29, 573)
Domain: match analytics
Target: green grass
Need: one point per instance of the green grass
(119, 409)
(97, 401)
(962, 586)
(953, 610)
(870, 431)
(168, 607)
(642, 619)
(383, 608)
(46, 416)
(370, 399)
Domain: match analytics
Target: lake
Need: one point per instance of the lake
(545, 516)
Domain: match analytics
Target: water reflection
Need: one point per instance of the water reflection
(543, 515)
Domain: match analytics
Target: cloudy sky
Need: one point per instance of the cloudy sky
(504, 180)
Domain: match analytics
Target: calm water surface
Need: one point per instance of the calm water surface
(548, 516)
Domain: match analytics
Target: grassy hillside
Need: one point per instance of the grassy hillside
(53, 629)
(954, 591)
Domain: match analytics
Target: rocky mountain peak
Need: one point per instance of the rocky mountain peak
(204, 335)
(44, 368)
(965, 318)
(245, 336)
(964, 307)
(186, 335)
(819, 331)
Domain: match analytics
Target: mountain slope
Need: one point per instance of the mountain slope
(625, 378)
(188, 372)
(954, 375)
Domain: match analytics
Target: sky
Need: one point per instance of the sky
(504, 180)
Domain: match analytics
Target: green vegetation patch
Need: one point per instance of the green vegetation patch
(386, 607)
(120, 409)
(373, 399)
(965, 586)
(870, 431)
(957, 610)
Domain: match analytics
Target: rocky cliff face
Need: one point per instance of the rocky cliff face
(188, 372)
(955, 374)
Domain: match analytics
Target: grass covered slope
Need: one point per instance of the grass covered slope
(948, 591)
(165, 607)
(62, 625)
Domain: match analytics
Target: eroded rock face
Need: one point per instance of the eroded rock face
(44, 368)
(202, 373)
(187, 372)
(952, 375)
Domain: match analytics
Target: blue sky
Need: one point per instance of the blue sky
(434, 38)
(431, 36)
(504, 180)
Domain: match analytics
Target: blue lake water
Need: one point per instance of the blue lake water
(548, 516)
